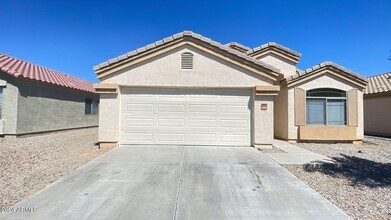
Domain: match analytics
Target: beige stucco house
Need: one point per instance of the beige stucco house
(377, 105)
(190, 90)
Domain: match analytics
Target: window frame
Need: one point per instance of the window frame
(325, 110)
(90, 106)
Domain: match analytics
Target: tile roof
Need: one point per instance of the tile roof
(274, 44)
(19, 68)
(379, 83)
(181, 35)
(303, 73)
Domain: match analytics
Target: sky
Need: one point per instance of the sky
(73, 36)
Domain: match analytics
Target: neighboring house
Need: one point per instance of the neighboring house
(377, 105)
(36, 99)
(189, 90)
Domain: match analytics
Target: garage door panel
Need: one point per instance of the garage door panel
(236, 123)
(139, 108)
(170, 108)
(197, 108)
(171, 122)
(202, 123)
(234, 138)
(202, 138)
(138, 137)
(234, 109)
(189, 117)
(138, 122)
(171, 137)
(171, 97)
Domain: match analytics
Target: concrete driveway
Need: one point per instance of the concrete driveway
(179, 183)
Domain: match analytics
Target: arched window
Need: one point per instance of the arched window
(326, 107)
(186, 61)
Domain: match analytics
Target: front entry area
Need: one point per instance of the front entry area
(185, 117)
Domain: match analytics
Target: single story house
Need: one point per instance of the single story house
(190, 90)
(36, 99)
(377, 105)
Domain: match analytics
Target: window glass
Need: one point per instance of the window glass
(88, 106)
(326, 93)
(336, 112)
(326, 107)
(95, 107)
(316, 111)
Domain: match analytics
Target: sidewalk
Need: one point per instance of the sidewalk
(293, 155)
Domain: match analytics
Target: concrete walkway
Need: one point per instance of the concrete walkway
(294, 155)
(179, 183)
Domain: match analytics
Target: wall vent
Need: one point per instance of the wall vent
(186, 61)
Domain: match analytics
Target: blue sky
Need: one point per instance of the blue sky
(73, 36)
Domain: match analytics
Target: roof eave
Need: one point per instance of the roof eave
(327, 66)
(104, 67)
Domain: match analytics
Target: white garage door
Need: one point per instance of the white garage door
(186, 117)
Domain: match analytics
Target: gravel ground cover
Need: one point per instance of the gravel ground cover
(361, 185)
(28, 164)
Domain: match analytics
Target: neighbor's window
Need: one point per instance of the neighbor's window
(326, 107)
(186, 61)
(91, 107)
(1, 102)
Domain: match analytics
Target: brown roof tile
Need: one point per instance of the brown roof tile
(379, 83)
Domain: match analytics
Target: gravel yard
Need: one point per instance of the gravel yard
(28, 164)
(361, 186)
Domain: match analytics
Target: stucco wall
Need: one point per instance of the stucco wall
(10, 104)
(109, 118)
(44, 107)
(324, 81)
(263, 132)
(209, 71)
(287, 67)
(281, 114)
(377, 115)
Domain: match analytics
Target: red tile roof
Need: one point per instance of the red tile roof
(19, 68)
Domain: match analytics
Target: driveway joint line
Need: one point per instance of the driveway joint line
(179, 185)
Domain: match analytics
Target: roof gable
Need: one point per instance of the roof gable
(20, 68)
(208, 70)
(238, 47)
(327, 67)
(276, 49)
(186, 38)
